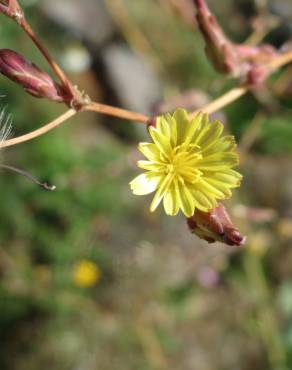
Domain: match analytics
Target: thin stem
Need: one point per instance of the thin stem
(41, 131)
(237, 92)
(43, 185)
(280, 61)
(222, 101)
(55, 67)
(212, 107)
(95, 107)
(116, 112)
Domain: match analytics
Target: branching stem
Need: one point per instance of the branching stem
(44, 51)
(222, 101)
(116, 112)
(212, 107)
(41, 131)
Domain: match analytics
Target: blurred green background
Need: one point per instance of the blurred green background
(89, 279)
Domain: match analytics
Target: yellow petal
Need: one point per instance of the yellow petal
(160, 141)
(218, 161)
(210, 199)
(201, 123)
(161, 190)
(210, 189)
(173, 130)
(150, 166)
(171, 202)
(224, 181)
(224, 144)
(204, 201)
(186, 200)
(211, 135)
(219, 186)
(228, 178)
(150, 151)
(162, 126)
(193, 129)
(145, 183)
(181, 119)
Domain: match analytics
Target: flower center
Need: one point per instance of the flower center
(170, 168)
(181, 164)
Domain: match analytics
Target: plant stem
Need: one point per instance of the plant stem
(280, 61)
(238, 92)
(41, 131)
(212, 107)
(55, 67)
(222, 101)
(95, 107)
(116, 112)
(43, 185)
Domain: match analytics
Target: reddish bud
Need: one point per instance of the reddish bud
(34, 81)
(215, 225)
(219, 49)
(246, 62)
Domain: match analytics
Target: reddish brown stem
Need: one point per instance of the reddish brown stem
(55, 67)
(116, 112)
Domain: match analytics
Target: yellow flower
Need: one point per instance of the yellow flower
(189, 164)
(86, 274)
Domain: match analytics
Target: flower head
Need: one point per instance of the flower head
(189, 164)
(86, 274)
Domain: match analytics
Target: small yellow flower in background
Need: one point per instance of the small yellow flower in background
(189, 164)
(86, 274)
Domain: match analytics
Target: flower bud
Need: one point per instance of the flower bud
(220, 51)
(34, 81)
(215, 225)
(247, 62)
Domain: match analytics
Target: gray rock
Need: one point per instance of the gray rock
(89, 18)
(133, 81)
(283, 8)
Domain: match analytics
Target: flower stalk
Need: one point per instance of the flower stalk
(13, 10)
